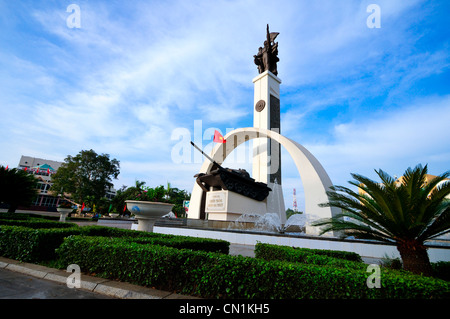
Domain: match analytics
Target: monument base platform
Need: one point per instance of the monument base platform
(224, 205)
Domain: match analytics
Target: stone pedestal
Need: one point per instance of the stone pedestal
(63, 213)
(224, 205)
(146, 224)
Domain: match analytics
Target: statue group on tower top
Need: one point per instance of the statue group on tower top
(267, 56)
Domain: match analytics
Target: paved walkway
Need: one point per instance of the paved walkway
(29, 281)
(16, 285)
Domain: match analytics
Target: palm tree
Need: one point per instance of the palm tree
(139, 185)
(17, 187)
(405, 213)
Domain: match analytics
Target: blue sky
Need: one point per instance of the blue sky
(135, 72)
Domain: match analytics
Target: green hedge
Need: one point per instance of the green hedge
(213, 275)
(105, 231)
(184, 242)
(13, 216)
(37, 243)
(22, 216)
(441, 269)
(176, 241)
(308, 256)
(140, 258)
(32, 245)
(339, 259)
(36, 223)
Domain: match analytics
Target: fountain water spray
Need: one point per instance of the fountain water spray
(270, 223)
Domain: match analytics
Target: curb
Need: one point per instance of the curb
(115, 289)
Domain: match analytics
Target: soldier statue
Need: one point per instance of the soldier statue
(267, 57)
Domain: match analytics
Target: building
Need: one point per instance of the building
(43, 170)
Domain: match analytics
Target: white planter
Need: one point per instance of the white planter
(113, 215)
(63, 212)
(147, 212)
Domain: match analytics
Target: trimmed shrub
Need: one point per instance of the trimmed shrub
(22, 216)
(184, 242)
(32, 245)
(441, 269)
(309, 256)
(105, 231)
(36, 223)
(15, 216)
(213, 275)
(176, 241)
(37, 242)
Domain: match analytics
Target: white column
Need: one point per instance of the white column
(266, 84)
(266, 153)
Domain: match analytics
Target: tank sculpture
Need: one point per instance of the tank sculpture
(238, 181)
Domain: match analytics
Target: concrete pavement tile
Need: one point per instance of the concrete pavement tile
(103, 286)
(125, 290)
(14, 285)
(86, 282)
(177, 296)
(90, 283)
(6, 261)
(57, 275)
(29, 269)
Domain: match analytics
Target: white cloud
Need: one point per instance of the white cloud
(156, 173)
(393, 141)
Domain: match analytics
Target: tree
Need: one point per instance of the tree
(290, 212)
(118, 202)
(141, 192)
(177, 197)
(405, 213)
(129, 193)
(86, 174)
(17, 187)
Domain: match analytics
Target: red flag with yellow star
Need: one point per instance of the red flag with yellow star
(218, 138)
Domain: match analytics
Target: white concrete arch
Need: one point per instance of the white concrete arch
(314, 177)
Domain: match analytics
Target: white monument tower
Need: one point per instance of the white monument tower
(218, 203)
(266, 115)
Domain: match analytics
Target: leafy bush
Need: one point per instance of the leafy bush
(194, 243)
(14, 216)
(29, 238)
(36, 223)
(17, 187)
(141, 258)
(213, 275)
(34, 240)
(306, 255)
(441, 269)
(152, 194)
(176, 241)
(104, 231)
(184, 242)
(391, 262)
(32, 245)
